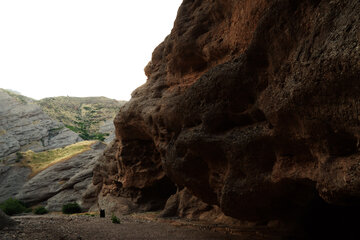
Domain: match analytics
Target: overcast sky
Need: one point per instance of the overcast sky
(80, 47)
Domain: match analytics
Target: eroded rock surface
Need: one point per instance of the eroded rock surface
(130, 187)
(63, 182)
(12, 178)
(253, 106)
(108, 128)
(24, 126)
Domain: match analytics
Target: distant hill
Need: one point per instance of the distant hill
(84, 115)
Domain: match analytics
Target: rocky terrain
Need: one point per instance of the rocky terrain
(91, 117)
(63, 182)
(252, 106)
(12, 179)
(56, 185)
(146, 227)
(24, 126)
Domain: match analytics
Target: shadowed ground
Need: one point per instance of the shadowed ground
(142, 226)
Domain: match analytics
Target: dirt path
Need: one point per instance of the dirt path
(62, 227)
(56, 226)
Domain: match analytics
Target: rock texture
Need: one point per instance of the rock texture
(108, 128)
(186, 205)
(24, 126)
(12, 178)
(63, 182)
(5, 221)
(131, 187)
(253, 106)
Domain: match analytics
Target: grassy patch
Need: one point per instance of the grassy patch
(42, 160)
(89, 214)
(2, 132)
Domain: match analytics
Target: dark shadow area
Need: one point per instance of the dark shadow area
(325, 221)
(157, 194)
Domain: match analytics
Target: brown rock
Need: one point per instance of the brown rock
(251, 105)
(184, 204)
(128, 181)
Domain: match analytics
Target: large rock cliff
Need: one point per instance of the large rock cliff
(253, 106)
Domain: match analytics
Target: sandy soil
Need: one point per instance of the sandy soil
(81, 227)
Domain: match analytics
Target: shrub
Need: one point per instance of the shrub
(115, 219)
(40, 210)
(19, 156)
(12, 206)
(71, 208)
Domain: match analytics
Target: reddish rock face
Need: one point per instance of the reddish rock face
(253, 106)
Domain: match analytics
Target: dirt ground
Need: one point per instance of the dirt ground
(85, 227)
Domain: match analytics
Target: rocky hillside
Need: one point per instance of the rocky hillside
(24, 126)
(62, 182)
(41, 160)
(251, 106)
(85, 115)
(61, 178)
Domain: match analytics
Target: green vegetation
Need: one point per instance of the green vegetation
(71, 208)
(115, 219)
(90, 214)
(82, 115)
(85, 134)
(42, 160)
(40, 210)
(12, 206)
(19, 156)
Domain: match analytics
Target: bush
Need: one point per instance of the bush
(19, 156)
(115, 219)
(71, 208)
(12, 206)
(40, 210)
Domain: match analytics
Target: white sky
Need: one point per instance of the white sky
(80, 47)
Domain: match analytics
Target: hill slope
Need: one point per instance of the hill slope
(83, 115)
